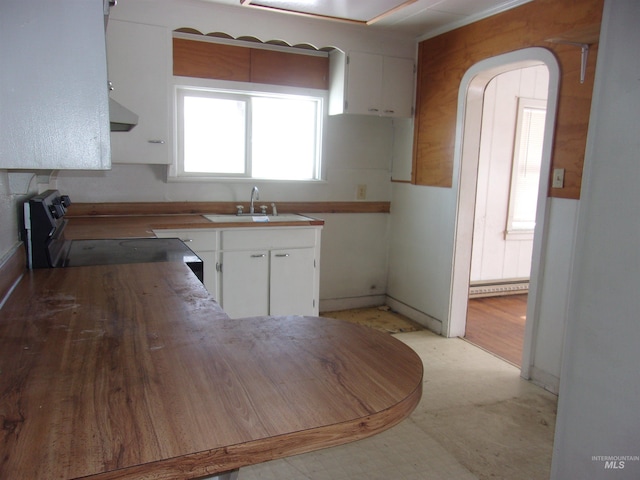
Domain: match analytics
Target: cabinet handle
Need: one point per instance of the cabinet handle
(158, 142)
(258, 255)
(389, 111)
(187, 240)
(374, 110)
(282, 254)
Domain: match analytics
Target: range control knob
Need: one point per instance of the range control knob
(65, 200)
(57, 210)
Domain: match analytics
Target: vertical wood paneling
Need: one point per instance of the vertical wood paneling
(200, 59)
(443, 60)
(293, 70)
(211, 60)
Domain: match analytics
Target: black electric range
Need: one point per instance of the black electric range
(44, 225)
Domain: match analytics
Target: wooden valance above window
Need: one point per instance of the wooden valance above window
(223, 61)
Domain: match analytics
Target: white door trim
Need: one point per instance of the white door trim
(465, 170)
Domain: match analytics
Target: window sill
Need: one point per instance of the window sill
(195, 179)
(518, 235)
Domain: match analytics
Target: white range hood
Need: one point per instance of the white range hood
(121, 118)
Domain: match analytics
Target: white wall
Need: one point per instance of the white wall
(8, 216)
(358, 150)
(421, 251)
(598, 411)
(493, 257)
(551, 310)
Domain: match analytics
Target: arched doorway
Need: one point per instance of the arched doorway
(468, 134)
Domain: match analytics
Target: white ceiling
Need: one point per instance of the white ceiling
(420, 18)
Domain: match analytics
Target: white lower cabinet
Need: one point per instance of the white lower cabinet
(259, 271)
(244, 287)
(269, 282)
(292, 286)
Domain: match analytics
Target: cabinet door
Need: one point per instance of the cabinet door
(138, 60)
(364, 73)
(292, 282)
(245, 283)
(397, 87)
(53, 85)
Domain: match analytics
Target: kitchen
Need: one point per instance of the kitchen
(352, 240)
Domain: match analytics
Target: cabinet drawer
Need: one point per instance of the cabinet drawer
(196, 240)
(262, 238)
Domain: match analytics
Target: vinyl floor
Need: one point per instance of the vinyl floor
(477, 420)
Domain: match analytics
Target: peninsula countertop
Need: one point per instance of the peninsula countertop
(134, 372)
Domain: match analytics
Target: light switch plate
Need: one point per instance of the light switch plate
(558, 178)
(361, 192)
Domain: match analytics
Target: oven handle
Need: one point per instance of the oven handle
(27, 227)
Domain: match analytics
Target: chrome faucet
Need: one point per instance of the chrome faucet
(255, 195)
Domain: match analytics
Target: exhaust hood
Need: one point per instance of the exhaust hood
(121, 118)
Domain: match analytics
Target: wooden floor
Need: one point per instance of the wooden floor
(497, 325)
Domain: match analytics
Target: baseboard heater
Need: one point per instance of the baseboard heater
(498, 288)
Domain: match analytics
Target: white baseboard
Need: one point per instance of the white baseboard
(543, 379)
(335, 304)
(494, 289)
(417, 316)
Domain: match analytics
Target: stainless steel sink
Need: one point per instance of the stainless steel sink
(285, 217)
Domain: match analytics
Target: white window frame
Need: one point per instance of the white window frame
(176, 170)
(512, 232)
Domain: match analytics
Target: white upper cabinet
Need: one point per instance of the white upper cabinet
(398, 81)
(54, 111)
(138, 57)
(370, 84)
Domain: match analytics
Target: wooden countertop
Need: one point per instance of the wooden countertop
(134, 372)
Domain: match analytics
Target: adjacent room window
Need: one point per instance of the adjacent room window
(238, 134)
(525, 174)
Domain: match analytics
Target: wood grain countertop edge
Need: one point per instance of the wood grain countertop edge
(204, 208)
(233, 457)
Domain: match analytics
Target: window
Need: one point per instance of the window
(525, 174)
(238, 134)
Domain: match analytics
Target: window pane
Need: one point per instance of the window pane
(528, 168)
(214, 135)
(284, 138)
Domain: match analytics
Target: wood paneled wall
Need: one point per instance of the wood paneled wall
(201, 59)
(443, 61)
